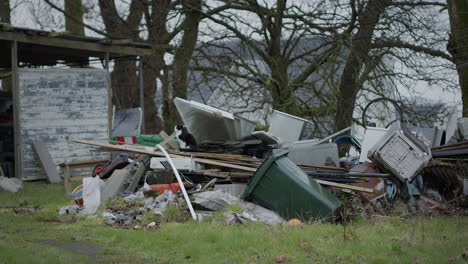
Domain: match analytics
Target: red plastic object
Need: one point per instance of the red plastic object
(126, 140)
(161, 188)
(98, 169)
(79, 190)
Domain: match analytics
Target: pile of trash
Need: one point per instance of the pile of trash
(274, 176)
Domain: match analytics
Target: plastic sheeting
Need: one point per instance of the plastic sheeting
(219, 200)
(91, 194)
(10, 184)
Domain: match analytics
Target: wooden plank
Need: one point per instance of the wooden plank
(322, 167)
(168, 140)
(58, 34)
(74, 44)
(209, 162)
(345, 186)
(240, 163)
(67, 179)
(226, 165)
(46, 162)
(160, 154)
(121, 41)
(16, 110)
(218, 156)
(85, 162)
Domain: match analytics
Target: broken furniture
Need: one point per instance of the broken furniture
(68, 166)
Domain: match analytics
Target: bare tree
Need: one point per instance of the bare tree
(160, 23)
(363, 46)
(279, 48)
(458, 45)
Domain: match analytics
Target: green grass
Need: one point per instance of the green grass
(382, 240)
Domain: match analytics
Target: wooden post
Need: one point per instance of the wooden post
(109, 95)
(142, 95)
(16, 108)
(67, 179)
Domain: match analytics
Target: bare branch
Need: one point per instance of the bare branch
(74, 19)
(402, 45)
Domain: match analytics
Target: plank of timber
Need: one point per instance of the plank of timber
(74, 44)
(46, 161)
(168, 140)
(121, 41)
(222, 164)
(67, 179)
(240, 163)
(160, 154)
(200, 160)
(322, 167)
(58, 34)
(345, 186)
(86, 162)
(218, 156)
(135, 178)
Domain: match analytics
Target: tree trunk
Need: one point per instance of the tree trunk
(74, 24)
(152, 66)
(359, 51)
(74, 19)
(125, 85)
(5, 11)
(182, 57)
(282, 94)
(458, 44)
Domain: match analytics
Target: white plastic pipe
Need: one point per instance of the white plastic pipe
(334, 135)
(179, 179)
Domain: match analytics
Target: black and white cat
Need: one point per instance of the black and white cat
(186, 140)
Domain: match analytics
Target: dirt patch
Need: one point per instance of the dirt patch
(21, 209)
(87, 249)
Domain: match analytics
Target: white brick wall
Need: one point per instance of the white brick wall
(57, 105)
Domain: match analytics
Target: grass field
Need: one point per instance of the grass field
(31, 231)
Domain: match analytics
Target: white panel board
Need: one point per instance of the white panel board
(57, 105)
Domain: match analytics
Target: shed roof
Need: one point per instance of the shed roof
(38, 47)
